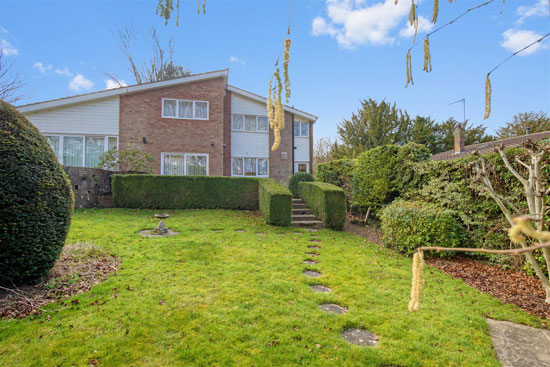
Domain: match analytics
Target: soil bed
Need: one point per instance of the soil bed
(508, 285)
(80, 266)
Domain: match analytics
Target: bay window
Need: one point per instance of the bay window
(184, 109)
(184, 164)
(244, 166)
(81, 151)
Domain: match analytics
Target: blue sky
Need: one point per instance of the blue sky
(342, 51)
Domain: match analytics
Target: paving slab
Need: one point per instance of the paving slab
(319, 288)
(333, 308)
(519, 345)
(312, 274)
(361, 337)
(310, 262)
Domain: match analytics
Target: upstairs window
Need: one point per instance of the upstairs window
(184, 109)
(250, 123)
(301, 129)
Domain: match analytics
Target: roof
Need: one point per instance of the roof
(489, 147)
(61, 102)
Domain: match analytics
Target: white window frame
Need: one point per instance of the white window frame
(298, 163)
(257, 166)
(59, 154)
(177, 109)
(244, 123)
(184, 155)
(301, 122)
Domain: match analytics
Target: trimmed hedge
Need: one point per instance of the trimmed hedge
(295, 179)
(275, 202)
(184, 192)
(408, 225)
(36, 201)
(327, 202)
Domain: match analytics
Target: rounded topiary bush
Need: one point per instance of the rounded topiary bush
(36, 201)
(296, 178)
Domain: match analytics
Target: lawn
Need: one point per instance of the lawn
(216, 296)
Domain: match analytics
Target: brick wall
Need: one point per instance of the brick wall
(140, 117)
(281, 169)
(91, 187)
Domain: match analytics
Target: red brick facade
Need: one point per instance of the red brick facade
(143, 127)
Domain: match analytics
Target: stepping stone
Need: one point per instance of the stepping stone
(360, 337)
(314, 247)
(151, 233)
(310, 262)
(333, 308)
(260, 234)
(315, 241)
(318, 288)
(313, 253)
(297, 232)
(240, 230)
(311, 273)
(217, 230)
(520, 345)
(311, 229)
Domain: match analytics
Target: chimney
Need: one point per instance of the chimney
(459, 139)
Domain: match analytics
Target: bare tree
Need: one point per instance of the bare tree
(160, 66)
(322, 152)
(9, 82)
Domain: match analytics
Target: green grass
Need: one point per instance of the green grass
(226, 298)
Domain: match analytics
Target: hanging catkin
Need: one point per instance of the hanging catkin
(275, 108)
(417, 281)
(199, 7)
(487, 98)
(413, 20)
(427, 56)
(396, 1)
(286, 59)
(436, 11)
(409, 69)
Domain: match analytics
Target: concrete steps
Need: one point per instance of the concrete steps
(302, 216)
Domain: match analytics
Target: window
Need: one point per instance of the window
(183, 109)
(81, 151)
(301, 129)
(249, 166)
(250, 123)
(184, 164)
(301, 167)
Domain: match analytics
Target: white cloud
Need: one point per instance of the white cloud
(64, 71)
(354, 23)
(538, 9)
(41, 67)
(516, 39)
(7, 48)
(236, 60)
(111, 84)
(424, 26)
(79, 83)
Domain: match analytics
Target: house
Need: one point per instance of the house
(194, 125)
(461, 150)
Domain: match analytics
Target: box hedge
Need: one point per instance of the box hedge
(275, 202)
(408, 225)
(327, 202)
(185, 192)
(295, 179)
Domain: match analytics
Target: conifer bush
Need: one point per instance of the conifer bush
(36, 201)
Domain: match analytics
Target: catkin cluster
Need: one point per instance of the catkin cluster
(286, 59)
(427, 56)
(487, 97)
(413, 20)
(199, 7)
(409, 69)
(521, 227)
(436, 11)
(417, 281)
(275, 109)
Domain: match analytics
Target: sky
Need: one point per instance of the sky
(342, 51)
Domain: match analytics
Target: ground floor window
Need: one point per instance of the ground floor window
(301, 167)
(81, 151)
(184, 164)
(247, 166)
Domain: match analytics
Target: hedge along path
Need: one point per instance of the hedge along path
(516, 236)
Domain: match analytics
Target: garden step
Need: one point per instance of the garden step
(299, 206)
(298, 211)
(309, 223)
(297, 201)
(303, 217)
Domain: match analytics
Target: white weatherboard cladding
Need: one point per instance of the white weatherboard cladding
(247, 106)
(88, 118)
(301, 153)
(244, 144)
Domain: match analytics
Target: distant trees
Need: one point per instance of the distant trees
(523, 122)
(375, 124)
(9, 82)
(322, 152)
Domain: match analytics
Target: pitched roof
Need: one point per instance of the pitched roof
(60, 102)
(490, 146)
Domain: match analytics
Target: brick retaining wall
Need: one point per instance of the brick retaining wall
(91, 187)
